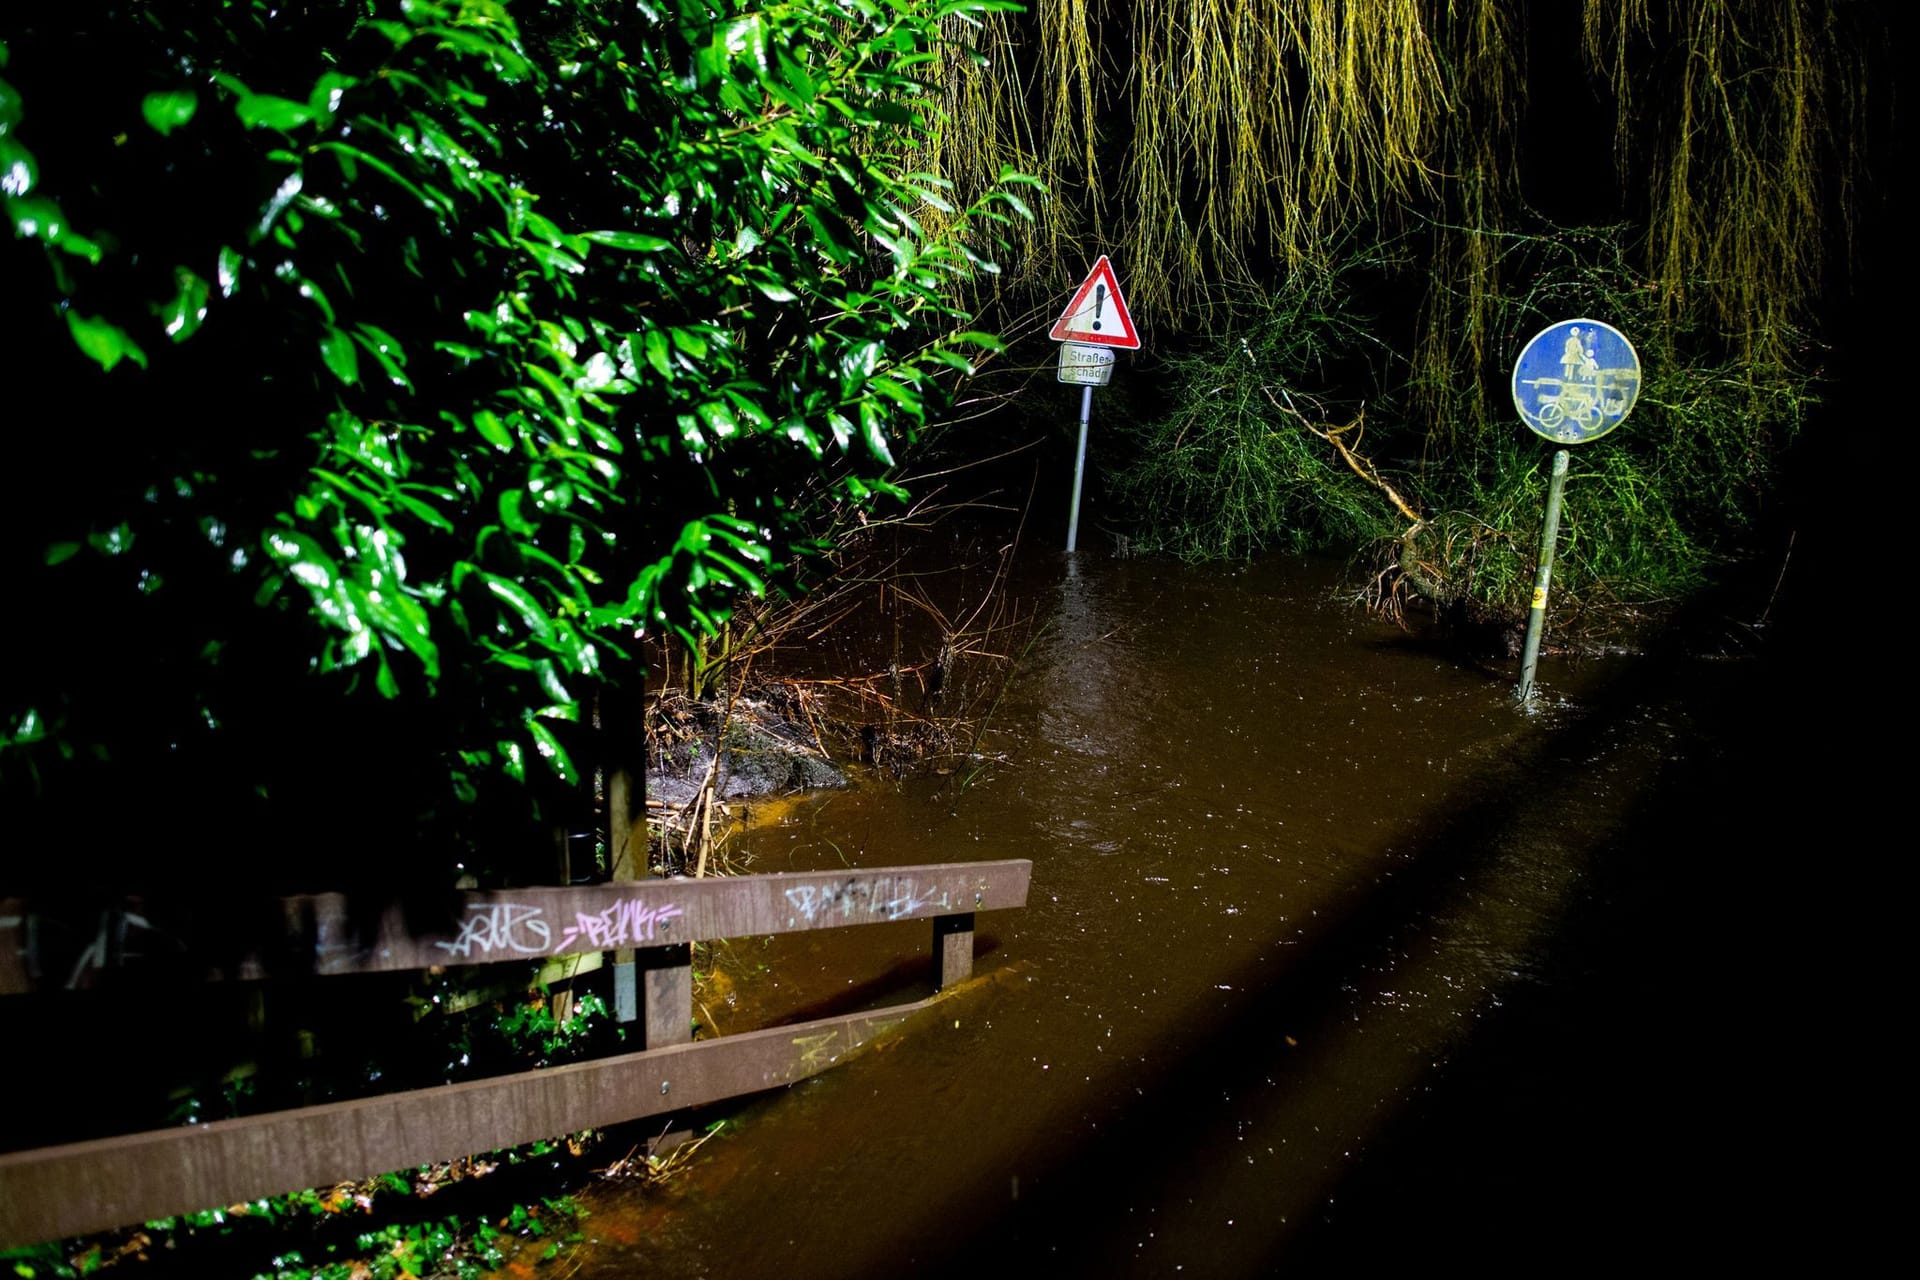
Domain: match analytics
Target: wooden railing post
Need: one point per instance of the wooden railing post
(80, 1187)
(669, 1018)
(668, 986)
(626, 832)
(952, 950)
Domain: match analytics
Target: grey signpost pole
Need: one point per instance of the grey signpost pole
(1079, 466)
(1574, 382)
(1537, 615)
(1095, 323)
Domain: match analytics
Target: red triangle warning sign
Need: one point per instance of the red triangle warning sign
(1098, 313)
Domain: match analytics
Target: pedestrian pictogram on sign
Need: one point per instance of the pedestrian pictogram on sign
(1597, 386)
(1097, 314)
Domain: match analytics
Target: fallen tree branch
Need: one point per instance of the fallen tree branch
(1359, 465)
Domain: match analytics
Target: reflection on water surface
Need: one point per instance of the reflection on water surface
(1289, 867)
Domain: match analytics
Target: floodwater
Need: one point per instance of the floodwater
(1333, 956)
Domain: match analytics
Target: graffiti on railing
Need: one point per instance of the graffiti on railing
(511, 928)
(817, 1051)
(624, 924)
(893, 897)
(47, 945)
(494, 927)
(44, 948)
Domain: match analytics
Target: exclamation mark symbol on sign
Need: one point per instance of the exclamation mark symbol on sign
(1099, 303)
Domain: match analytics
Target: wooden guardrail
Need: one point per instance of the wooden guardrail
(59, 1191)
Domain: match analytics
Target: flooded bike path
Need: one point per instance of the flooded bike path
(1293, 875)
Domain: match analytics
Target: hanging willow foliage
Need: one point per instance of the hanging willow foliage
(1214, 136)
(1741, 151)
(1458, 347)
(984, 129)
(1208, 141)
(1261, 129)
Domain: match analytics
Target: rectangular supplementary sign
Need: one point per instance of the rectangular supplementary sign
(331, 934)
(1085, 365)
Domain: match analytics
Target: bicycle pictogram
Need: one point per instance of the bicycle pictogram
(1583, 404)
(1598, 380)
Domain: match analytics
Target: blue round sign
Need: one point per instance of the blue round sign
(1576, 381)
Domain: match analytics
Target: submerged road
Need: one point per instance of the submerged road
(1333, 957)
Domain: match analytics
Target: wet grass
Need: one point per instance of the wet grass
(1304, 427)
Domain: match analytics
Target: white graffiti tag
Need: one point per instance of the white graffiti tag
(501, 926)
(895, 897)
(817, 1051)
(624, 924)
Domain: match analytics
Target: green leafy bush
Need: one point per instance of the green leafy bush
(396, 364)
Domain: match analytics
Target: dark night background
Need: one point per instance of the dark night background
(1714, 1077)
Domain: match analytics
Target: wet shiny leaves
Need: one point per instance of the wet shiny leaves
(167, 111)
(561, 347)
(103, 341)
(183, 313)
(337, 350)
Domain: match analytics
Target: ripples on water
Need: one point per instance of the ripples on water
(1285, 862)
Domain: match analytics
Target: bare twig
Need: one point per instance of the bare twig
(1359, 465)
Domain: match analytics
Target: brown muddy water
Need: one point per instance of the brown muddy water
(1333, 956)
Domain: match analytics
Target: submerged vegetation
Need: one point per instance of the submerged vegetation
(893, 665)
(1245, 457)
(1691, 174)
(1292, 429)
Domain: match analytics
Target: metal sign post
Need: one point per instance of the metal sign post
(1536, 616)
(1594, 389)
(1095, 323)
(1079, 467)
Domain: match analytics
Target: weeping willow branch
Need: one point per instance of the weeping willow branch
(1359, 465)
(1260, 128)
(1743, 151)
(1458, 347)
(1221, 141)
